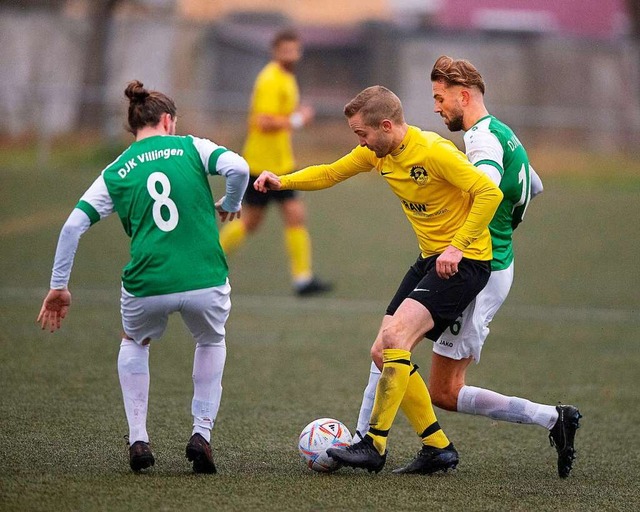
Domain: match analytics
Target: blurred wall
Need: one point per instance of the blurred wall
(577, 91)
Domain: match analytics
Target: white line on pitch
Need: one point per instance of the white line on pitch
(336, 305)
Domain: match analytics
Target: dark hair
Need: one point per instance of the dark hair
(376, 103)
(146, 107)
(284, 35)
(457, 72)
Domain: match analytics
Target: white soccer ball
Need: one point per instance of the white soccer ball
(319, 435)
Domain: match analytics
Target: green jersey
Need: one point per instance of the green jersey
(159, 189)
(491, 145)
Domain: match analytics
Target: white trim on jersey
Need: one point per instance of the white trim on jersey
(75, 226)
(97, 195)
(204, 147)
(230, 165)
(480, 144)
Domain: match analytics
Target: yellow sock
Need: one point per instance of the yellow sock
(298, 245)
(417, 406)
(232, 235)
(391, 388)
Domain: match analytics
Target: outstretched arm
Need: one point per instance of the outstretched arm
(56, 303)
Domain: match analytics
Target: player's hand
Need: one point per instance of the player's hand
(447, 262)
(54, 309)
(308, 113)
(224, 214)
(267, 181)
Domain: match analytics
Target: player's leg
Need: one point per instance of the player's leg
(298, 245)
(233, 234)
(205, 313)
(143, 319)
(399, 336)
(461, 344)
(410, 280)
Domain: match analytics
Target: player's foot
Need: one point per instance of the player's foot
(431, 460)
(562, 436)
(199, 452)
(140, 456)
(360, 455)
(313, 287)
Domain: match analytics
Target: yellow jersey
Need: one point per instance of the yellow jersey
(447, 200)
(276, 93)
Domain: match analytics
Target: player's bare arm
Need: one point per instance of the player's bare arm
(54, 309)
(267, 181)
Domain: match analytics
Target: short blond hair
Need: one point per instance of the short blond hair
(375, 103)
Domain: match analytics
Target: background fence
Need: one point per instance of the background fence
(577, 91)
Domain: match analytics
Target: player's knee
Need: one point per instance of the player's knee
(393, 336)
(252, 225)
(376, 355)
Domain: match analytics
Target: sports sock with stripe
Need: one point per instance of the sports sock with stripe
(417, 406)
(389, 393)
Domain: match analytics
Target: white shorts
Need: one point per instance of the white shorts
(466, 336)
(204, 312)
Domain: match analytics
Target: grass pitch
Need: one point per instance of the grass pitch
(568, 332)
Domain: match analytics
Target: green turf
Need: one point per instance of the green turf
(568, 332)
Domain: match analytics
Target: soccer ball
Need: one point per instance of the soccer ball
(319, 435)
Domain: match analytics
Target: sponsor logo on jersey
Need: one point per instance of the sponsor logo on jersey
(414, 207)
(419, 174)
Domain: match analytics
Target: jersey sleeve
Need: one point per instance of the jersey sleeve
(218, 160)
(95, 204)
(317, 177)
(236, 171)
(96, 201)
(485, 152)
(453, 166)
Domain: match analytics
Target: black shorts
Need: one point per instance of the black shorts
(445, 299)
(254, 198)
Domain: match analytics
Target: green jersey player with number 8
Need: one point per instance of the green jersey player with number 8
(458, 92)
(160, 191)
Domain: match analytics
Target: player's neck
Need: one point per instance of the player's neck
(473, 114)
(150, 131)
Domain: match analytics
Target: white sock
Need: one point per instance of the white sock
(133, 370)
(484, 402)
(368, 397)
(208, 365)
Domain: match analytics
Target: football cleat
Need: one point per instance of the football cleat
(360, 455)
(140, 456)
(199, 452)
(562, 436)
(431, 460)
(313, 287)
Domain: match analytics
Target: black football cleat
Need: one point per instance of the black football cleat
(431, 460)
(199, 452)
(359, 455)
(140, 456)
(313, 287)
(562, 436)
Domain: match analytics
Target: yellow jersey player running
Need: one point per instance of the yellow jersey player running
(275, 111)
(449, 204)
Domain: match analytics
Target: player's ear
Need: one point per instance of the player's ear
(386, 125)
(466, 96)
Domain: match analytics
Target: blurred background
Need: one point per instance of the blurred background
(561, 73)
